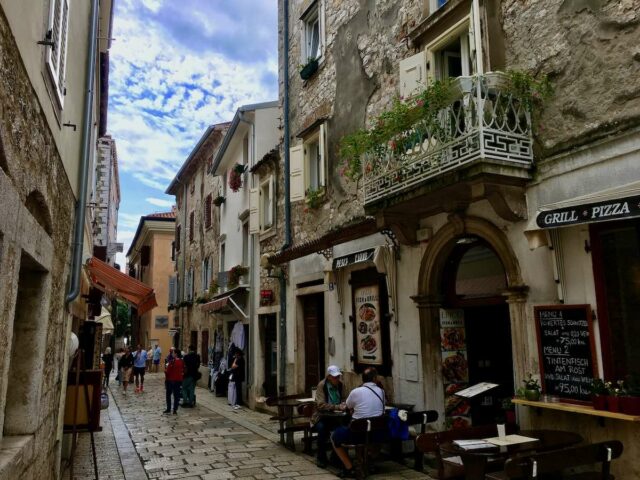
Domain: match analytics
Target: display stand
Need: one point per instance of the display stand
(77, 425)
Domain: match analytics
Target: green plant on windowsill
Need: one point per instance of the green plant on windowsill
(233, 279)
(531, 388)
(204, 298)
(314, 197)
(213, 287)
(185, 303)
(308, 69)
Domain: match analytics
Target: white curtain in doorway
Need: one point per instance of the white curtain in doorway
(385, 261)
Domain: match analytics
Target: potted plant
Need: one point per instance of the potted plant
(630, 401)
(314, 197)
(599, 394)
(509, 410)
(234, 275)
(531, 388)
(213, 287)
(614, 391)
(308, 69)
(239, 168)
(235, 180)
(219, 200)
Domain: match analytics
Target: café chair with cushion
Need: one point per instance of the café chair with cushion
(450, 466)
(537, 466)
(420, 418)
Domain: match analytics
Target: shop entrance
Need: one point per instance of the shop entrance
(474, 281)
(313, 313)
(270, 349)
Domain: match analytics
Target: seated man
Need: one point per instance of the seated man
(365, 401)
(328, 399)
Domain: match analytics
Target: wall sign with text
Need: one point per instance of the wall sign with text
(628, 207)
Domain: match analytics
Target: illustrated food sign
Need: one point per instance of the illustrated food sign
(567, 352)
(591, 212)
(368, 331)
(455, 368)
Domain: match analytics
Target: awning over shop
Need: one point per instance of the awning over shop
(216, 305)
(115, 283)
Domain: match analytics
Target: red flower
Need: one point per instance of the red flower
(420, 103)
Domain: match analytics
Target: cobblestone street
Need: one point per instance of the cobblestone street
(208, 442)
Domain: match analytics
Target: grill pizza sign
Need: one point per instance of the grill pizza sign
(591, 212)
(367, 319)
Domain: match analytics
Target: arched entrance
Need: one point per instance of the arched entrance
(471, 302)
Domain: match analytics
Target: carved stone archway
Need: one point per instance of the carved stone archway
(430, 298)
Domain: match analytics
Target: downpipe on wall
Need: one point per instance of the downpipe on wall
(83, 174)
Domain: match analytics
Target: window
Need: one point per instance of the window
(177, 240)
(173, 290)
(453, 54)
(262, 206)
(192, 225)
(204, 347)
(207, 274)
(616, 269)
(222, 255)
(309, 164)
(245, 243)
(189, 287)
(313, 33)
(207, 211)
(173, 251)
(56, 56)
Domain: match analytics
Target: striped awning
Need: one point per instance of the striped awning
(117, 284)
(216, 305)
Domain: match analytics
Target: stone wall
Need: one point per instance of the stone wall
(590, 49)
(36, 192)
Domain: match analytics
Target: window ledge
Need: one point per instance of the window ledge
(437, 18)
(581, 409)
(267, 234)
(16, 453)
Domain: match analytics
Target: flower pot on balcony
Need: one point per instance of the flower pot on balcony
(599, 402)
(496, 80)
(461, 85)
(613, 403)
(630, 405)
(309, 69)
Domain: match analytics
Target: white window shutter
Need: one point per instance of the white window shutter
(62, 62)
(431, 68)
(413, 78)
(323, 155)
(56, 55)
(296, 159)
(272, 201)
(203, 276)
(254, 210)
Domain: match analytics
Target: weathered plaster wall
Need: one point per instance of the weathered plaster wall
(590, 49)
(31, 164)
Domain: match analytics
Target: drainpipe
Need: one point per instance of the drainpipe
(83, 174)
(287, 205)
(183, 248)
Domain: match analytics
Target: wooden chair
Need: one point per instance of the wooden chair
(420, 418)
(532, 467)
(368, 428)
(289, 422)
(430, 443)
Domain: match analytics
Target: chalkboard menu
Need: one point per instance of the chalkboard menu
(567, 352)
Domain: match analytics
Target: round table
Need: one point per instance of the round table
(475, 461)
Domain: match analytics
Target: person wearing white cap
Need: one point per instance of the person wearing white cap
(329, 398)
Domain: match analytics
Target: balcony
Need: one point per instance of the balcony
(484, 132)
(228, 280)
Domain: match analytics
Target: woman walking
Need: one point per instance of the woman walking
(107, 358)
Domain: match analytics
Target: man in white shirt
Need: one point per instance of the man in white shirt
(365, 401)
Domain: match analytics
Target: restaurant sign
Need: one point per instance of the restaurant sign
(353, 258)
(368, 325)
(591, 212)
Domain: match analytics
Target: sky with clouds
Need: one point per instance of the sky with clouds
(177, 67)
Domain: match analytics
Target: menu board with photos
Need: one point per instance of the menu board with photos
(455, 368)
(368, 324)
(567, 351)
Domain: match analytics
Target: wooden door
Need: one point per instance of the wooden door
(270, 355)
(313, 340)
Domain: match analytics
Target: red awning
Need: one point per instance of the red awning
(216, 305)
(115, 283)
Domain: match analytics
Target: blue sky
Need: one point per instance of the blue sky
(177, 67)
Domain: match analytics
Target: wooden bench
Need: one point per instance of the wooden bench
(531, 467)
(430, 443)
(369, 427)
(290, 422)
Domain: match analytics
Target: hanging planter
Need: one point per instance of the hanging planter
(239, 168)
(219, 200)
(307, 70)
(233, 280)
(235, 181)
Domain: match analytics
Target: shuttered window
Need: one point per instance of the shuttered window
(178, 231)
(207, 211)
(173, 291)
(192, 225)
(56, 55)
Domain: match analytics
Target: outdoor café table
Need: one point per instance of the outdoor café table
(285, 416)
(475, 461)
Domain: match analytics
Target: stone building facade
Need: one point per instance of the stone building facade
(39, 164)
(196, 241)
(465, 223)
(106, 201)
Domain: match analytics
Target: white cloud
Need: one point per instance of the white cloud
(159, 202)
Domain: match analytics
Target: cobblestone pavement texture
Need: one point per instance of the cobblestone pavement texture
(209, 442)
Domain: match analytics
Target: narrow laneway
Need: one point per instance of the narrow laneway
(211, 441)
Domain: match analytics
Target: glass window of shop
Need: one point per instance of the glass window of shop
(616, 264)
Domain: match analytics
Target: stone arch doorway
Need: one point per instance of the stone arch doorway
(445, 262)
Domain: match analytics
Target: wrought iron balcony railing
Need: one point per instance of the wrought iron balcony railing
(484, 123)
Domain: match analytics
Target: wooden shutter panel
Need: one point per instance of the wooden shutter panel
(324, 152)
(431, 67)
(178, 229)
(296, 159)
(272, 200)
(207, 211)
(254, 210)
(172, 291)
(413, 78)
(62, 62)
(192, 224)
